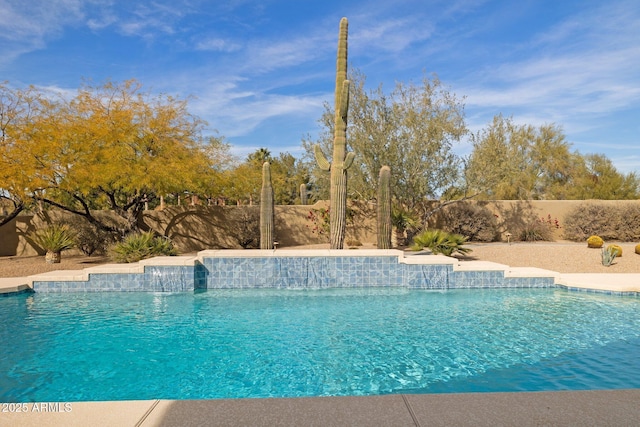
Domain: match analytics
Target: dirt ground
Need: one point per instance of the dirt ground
(563, 257)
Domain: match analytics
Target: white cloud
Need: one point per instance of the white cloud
(217, 44)
(239, 113)
(25, 26)
(585, 69)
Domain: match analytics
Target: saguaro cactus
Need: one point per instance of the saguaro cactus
(303, 194)
(384, 208)
(266, 209)
(341, 160)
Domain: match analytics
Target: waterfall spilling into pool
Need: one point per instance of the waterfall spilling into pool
(287, 269)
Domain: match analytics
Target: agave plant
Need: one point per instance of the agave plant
(54, 239)
(138, 246)
(440, 242)
(608, 255)
(403, 220)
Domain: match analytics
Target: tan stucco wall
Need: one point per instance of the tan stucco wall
(194, 228)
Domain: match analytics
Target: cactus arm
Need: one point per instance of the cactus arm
(348, 160)
(322, 161)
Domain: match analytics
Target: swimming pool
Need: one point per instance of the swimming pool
(331, 342)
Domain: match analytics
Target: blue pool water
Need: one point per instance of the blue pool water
(285, 343)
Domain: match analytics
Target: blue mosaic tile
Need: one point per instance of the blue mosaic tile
(10, 294)
(294, 273)
(477, 279)
(418, 276)
(600, 291)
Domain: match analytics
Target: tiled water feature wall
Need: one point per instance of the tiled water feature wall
(293, 270)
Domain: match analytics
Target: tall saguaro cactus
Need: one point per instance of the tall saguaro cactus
(266, 209)
(384, 208)
(340, 160)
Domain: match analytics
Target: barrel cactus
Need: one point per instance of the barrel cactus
(638, 248)
(384, 208)
(595, 242)
(266, 209)
(617, 249)
(341, 160)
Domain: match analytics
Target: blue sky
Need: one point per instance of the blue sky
(260, 70)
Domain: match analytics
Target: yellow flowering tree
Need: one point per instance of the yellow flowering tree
(113, 147)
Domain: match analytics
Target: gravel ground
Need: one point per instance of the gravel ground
(563, 257)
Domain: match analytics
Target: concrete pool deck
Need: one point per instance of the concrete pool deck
(561, 408)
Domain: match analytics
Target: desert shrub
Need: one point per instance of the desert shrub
(627, 224)
(138, 246)
(475, 222)
(615, 249)
(440, 242)
(246, 227)
(353, 242)
(319, 222)
(595, 242)
(55, 238)
(540, 229)
(611, 222)
(588, 219)
(89, 238)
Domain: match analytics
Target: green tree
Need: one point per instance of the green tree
(244, 181)
(288, 173)
(413, 130)
(511, 161)
(597, 178)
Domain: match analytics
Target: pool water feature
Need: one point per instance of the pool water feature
(291, 270)
(241, 343)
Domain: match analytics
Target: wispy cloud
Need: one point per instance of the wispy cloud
(145, 20)
(597, 75)
(217, 44)
(236, 112)
(25, 26)
(256, 66)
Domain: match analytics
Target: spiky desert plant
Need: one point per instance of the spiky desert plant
(608, 255)
(404, 220)
(54, 239)
(303, 194)
(340, 160)
(139, 246)
(266, 209)
(384, 208)
(440, 242)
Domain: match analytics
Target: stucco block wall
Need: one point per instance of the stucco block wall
(195, 228)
